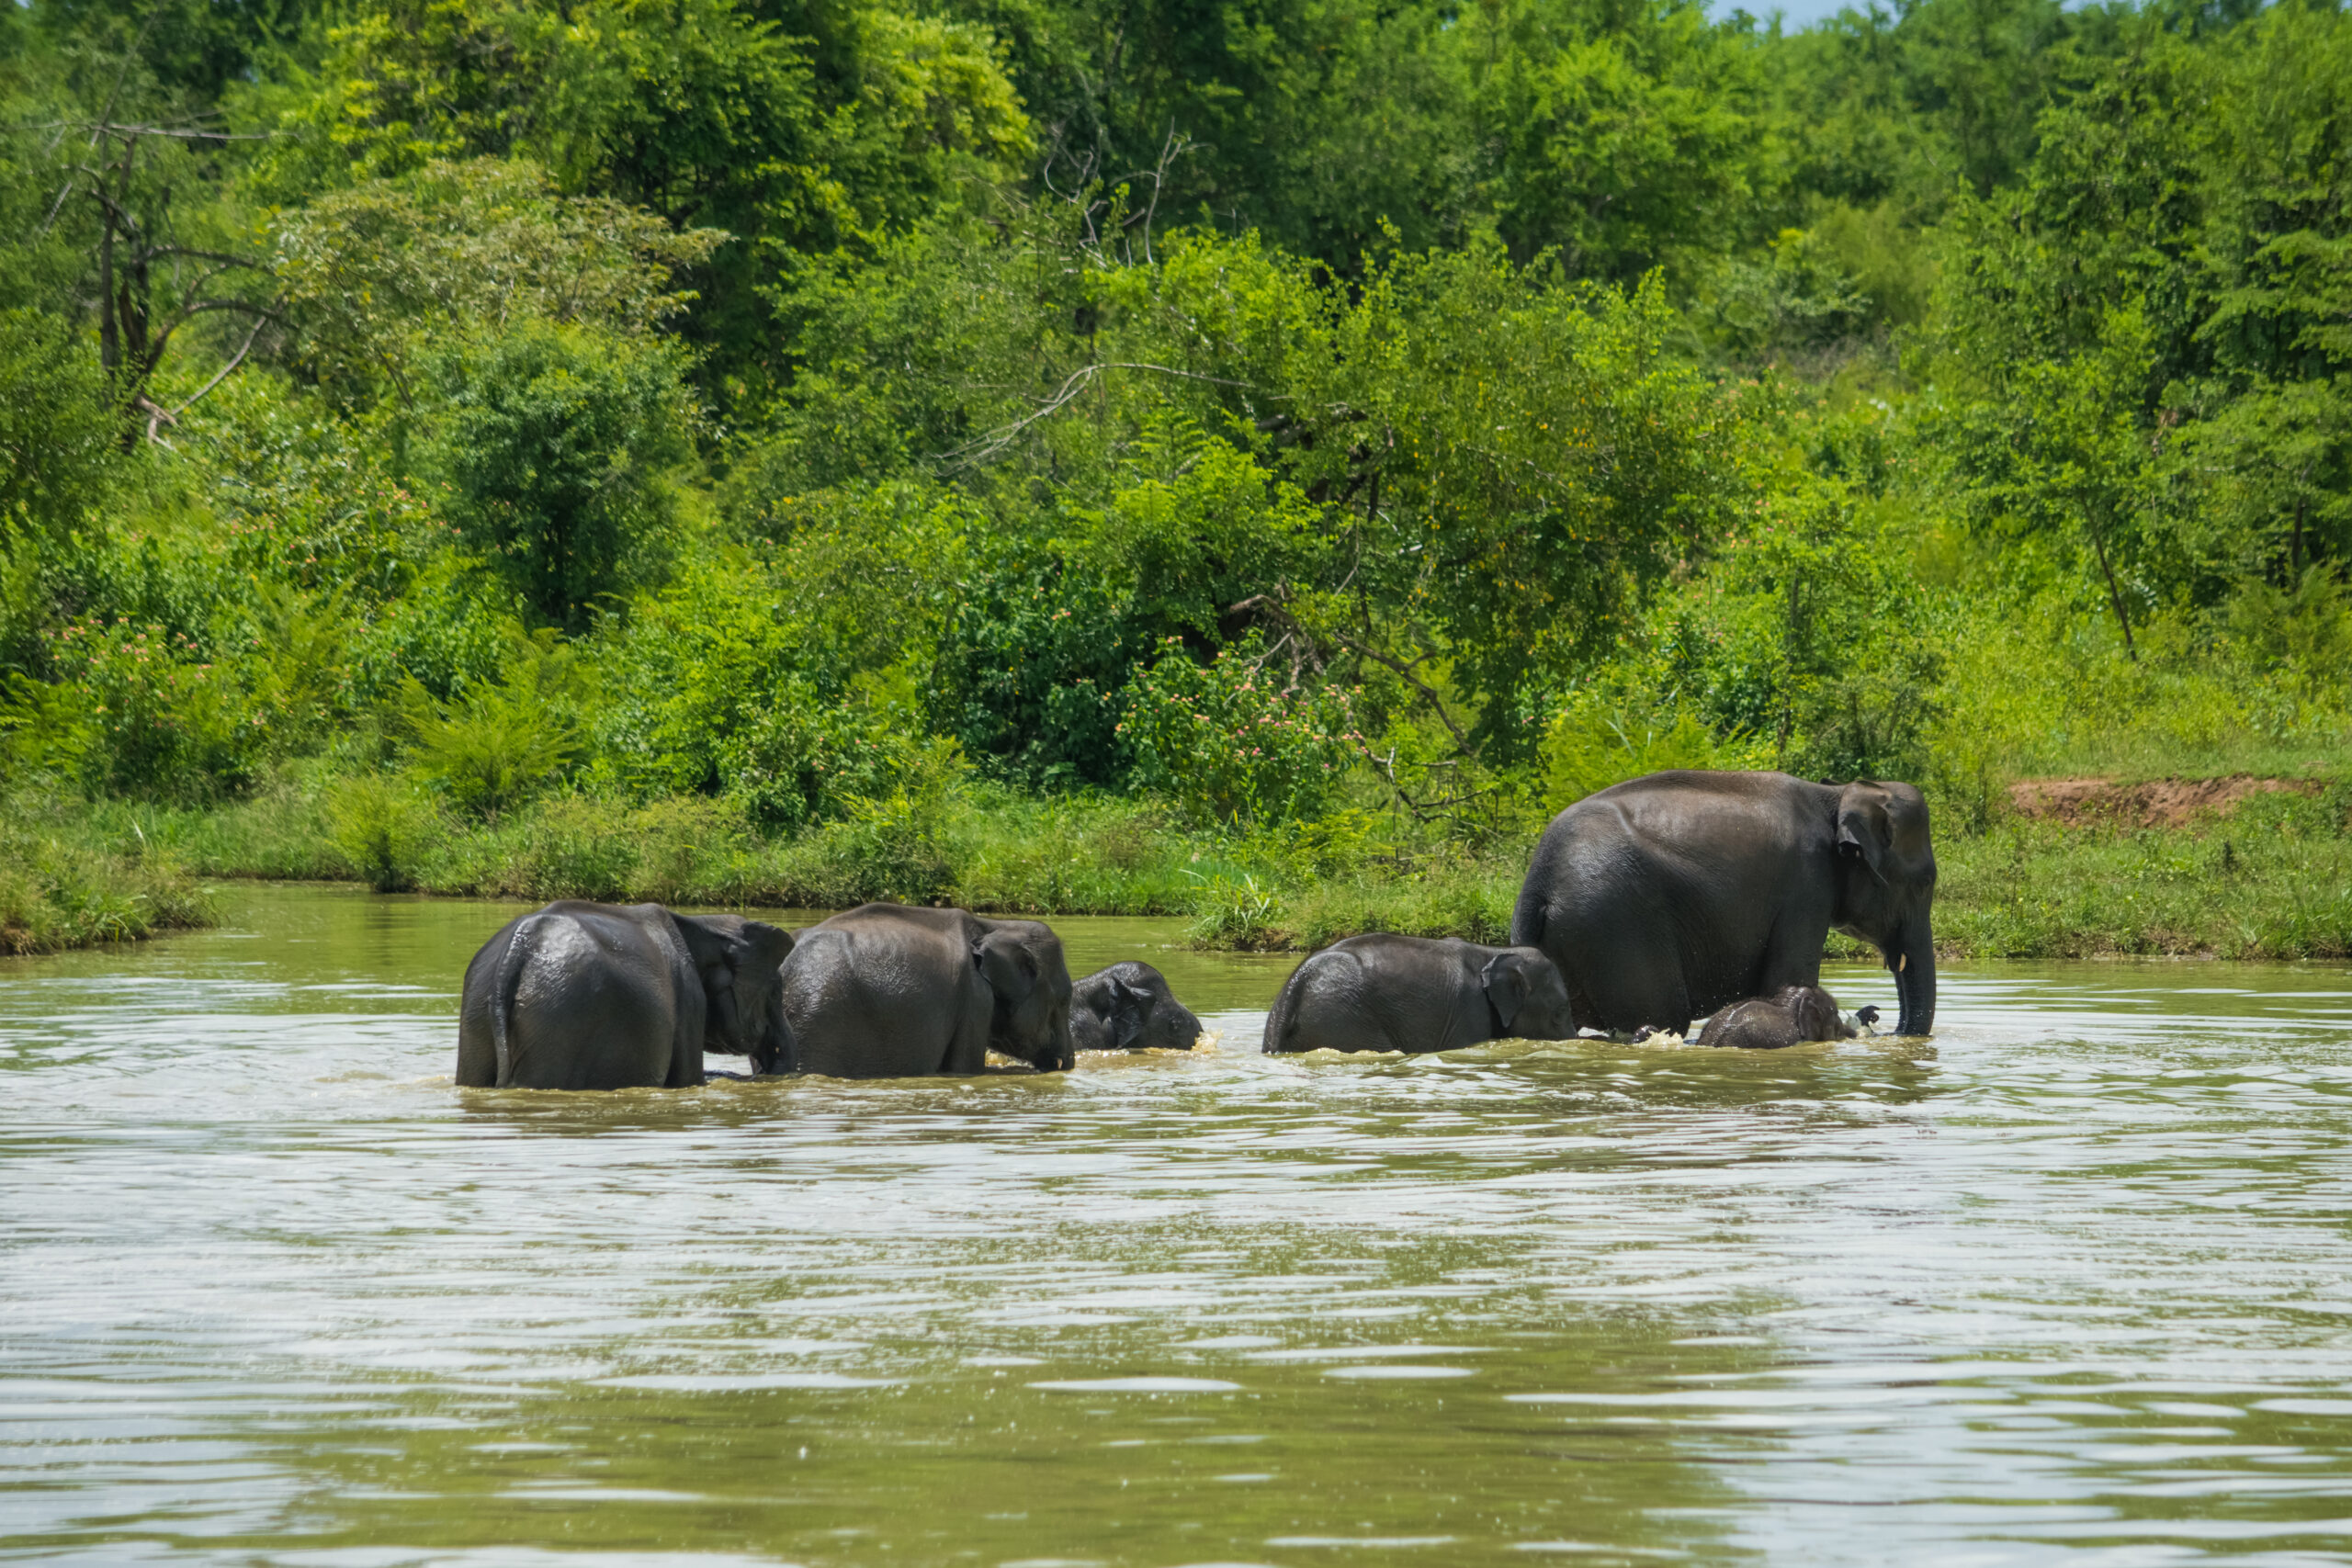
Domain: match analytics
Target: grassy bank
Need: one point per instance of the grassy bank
(61, 886)
(2269, 877)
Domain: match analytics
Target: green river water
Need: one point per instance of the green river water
(2071, 1282)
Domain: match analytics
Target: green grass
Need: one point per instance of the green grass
(60, 889)
(2274, 880)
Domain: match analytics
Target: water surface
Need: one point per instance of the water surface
(2072, 1283)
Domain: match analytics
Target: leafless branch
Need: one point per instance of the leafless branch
(1273, 608)
(982, 448)
(260, 320)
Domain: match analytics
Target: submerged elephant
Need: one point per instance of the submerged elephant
(1381, 992)
(603, 996)
(889, 991)
(1128, 1006)
(1665, 898)
(1789, 1016)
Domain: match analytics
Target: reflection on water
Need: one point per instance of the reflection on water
(2073, 1281)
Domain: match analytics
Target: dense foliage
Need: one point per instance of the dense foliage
(1354, 425)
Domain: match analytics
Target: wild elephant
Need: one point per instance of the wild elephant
(886, 990)
(603, 996)
(1128, 1006)
(1382, 992)
(1792, 1016)
(1666, 898)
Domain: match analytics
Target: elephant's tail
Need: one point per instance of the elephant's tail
(501, 997)
(1527, 914)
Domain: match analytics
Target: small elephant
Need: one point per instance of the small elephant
(1128, 1006)
(1381, 992)
(1789, 1016)
(602, 996)
(890, 991)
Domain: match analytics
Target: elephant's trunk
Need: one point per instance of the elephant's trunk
(1913, 962)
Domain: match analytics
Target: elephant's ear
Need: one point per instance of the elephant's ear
(763, 947)
(1505, 978)
(1863, 832)
(1129, 1009)
(1005, 962)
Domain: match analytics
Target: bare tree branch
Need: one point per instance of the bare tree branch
(981, 449)
(260, 320)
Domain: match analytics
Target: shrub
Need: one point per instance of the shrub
(1232, 741)
(555, 440)
(1596, 741)
(383, 827)
(161, 718)
(495, 744)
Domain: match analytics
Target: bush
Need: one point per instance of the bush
(161, 718)
(556, 439)
(383, 827)
(1596, 741)
(1232, 741)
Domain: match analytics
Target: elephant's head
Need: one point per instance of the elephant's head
(1529, 998)
(1886, 886)
(1110, 1013)
(742, 994)
(1022, 963)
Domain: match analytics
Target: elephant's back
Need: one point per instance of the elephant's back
(594, 1000)
(1374, 993)
(874, 999)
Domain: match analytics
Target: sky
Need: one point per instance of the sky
(1794, 14)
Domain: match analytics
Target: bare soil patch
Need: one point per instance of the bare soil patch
(2157, 803)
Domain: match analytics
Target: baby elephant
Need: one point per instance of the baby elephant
(1788, 1017)
(1129, 1008)
(602, 996)
(1407, 993)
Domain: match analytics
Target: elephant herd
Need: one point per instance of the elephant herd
(1651, 904)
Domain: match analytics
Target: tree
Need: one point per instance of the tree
(556, 439)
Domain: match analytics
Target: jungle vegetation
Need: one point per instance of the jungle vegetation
(1251, 461)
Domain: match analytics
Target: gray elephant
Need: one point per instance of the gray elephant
(602, 996)
(1664, 898)
(1381, 992)
(1789, 1016)
(1128, 1006)
(890, 991)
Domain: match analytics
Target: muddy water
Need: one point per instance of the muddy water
(2070, 1283)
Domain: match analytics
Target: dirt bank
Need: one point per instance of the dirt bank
(2156, 803)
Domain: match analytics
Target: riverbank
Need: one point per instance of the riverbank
(60, 889)
(2255, 873)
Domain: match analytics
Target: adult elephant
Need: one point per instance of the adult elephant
(889, 991)
(603, 996)
(1382, 992)
(1663, 898)
(1128, 1006)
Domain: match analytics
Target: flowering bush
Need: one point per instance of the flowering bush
(1234, 741)
(158, 714)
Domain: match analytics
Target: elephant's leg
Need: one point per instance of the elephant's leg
(1791, 954)
(1630, 970)
(477, 1050)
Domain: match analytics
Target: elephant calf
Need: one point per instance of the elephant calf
(1128, 1006)
(1789, 1016)
(602, 996)
(1381, 992)
(890, 991)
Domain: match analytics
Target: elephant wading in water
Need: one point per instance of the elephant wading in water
(1792, 1016)
(601, 995)
(1407, 993)
(889, 991)
(1128, 1006)
(1664, 898)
